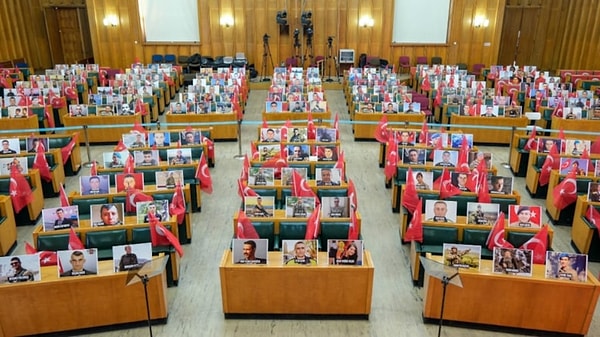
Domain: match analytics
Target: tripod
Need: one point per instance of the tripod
(329, 57)
(266, 53)
(297, 46)
(308, 52)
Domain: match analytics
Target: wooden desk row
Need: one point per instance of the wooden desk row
(224, 125)
(584, 234)
(8, 227)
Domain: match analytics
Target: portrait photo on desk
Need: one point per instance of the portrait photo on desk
(77, 262)
(267, 152)
(287, 172)
(146, 158)
(109, 214)
(512, 261)
(576, 147)
(134, 139)
(345, 252)
(297, 135)
(60, 218)
(168, 179)
(335, 207)
(20, 268)
(33, 141)
(435, 138)
(299, 252)
(423, 180)
(250, 251)
(94, 184)
(127, 181)
(114, 159)
(326, 135)
(131, 256)
(526, 216)
(500, 184)
(7, 163)
(260, 207)
(457, 138)
(462, 256)
(447, 158)
(572, 112)
(299, 207)
(566, 266)
(270, 135)
(413, 156)
(10, 146)
(481, 213)
(179, 156)
(440, 210)
(579, 165)
(474, 158)
(159, 139)
(18, 111)
(158, 208)
(326, 153)
(78, 110)
(261, 176)
(325, 176)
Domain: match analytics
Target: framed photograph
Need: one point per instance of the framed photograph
(273, 106)
(446, 158)
(594, 113)
(513, 261)
(94, 184)
(500, 184)
(405, 137)
(297, 135)
(299, 207)
(159, 208)
(597, 168)
(594, 191)
(298, 106)
(462, 256)
(414, 156)
(131, 256)
(545, 144)
(169, 179)
(513, 111)
(159, 139)
(18, 112)
(566, 266)
(479, 213)
(474, 158)
(105, 110)
(20, 163)
(20, 268)
(579, 165)
(60, 218)
(434, 138)
(178, 108)
(345, 252)
(412, 107)
(326, 176)
(33, 141)
(299, 252)
(286, 174)
(461, 181)
(296, 152)
(326, 135)
(261, 176)
(107, 214)
(527, 216)
(79, 262)
(440, 210)
(270, 135)
(78, 110)
(115, 159)
(267, 152)
(10, 146)
(456, 140)
(317, 106)
(190, 137)
(572, 112)
(179, 156)
(335, 207)
(423, 180)
(259, 207)
(129, 180)
(250, 251)
(326, 153)
(134, 139)
(575, 147)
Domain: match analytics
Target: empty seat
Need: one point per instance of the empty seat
(436, 60)
(170, 58)
(53, 242)
(333, 231)
(157, 58)
(477, 69)
(404, 63)
(421, 59)
(103, 240)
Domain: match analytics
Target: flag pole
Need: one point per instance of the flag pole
(89, 163)
(239, 156)
(512, 135)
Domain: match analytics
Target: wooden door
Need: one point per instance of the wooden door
(518, 36)
(68, 34)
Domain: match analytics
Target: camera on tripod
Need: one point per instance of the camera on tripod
(309, 32)
(329, 40)
(296, 33)
(266, 38)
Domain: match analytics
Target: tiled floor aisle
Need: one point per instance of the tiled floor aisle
(195, 305)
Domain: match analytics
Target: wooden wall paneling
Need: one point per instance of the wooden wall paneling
(53, 34)
(591, 36)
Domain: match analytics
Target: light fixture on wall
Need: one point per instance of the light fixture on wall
(366, 21)
(227, 21)
(480, 21)
(111, 20)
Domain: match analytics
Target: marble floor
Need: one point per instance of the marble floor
(195, 305)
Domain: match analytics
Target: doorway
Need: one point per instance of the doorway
(69, 35)
(518, 35)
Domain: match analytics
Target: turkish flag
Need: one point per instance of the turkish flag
(237, 109)
(29, 249)
(353, 233)
(20, 191)
(546, 170)
(438, 98)
(311, 130)
(381, 132)
(423, 134)
(586, 155)
(245, 191)
(203, 175)
(56, 101)
(140, 107)
(410, 198)
(391, 159)
(64, 200)
(284, 131)
(254, 151)
(47, 257)
(483, 191)
(94, 169)
(341, 165)
(68, 149)
(444, 184)
(120, 146)
(40, 163)
(177, 205)
(245, 228)
(462, 164)
(565, 193)
(138, 128)
(352, 197)
(161, 236)
(210, 146)
(47, 115)
(336, 126)
(74, 241)
(70, 92)
(539, 245)
(265, 124)
(593, 216)
(276, 162)
(129, 164)
(313, 223)
(426, 86)
(563, 138)
(558, 109)
(496, 237)
(531, 142)
(595, 147)
(300, 187)
(133, 197)
(245, 169)
(414, 232)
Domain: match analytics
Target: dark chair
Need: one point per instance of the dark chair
(333, 231)
(291, 62)
(53, 242)
(477, 69)
(289, 230)
(170, 58)
(478, 237)
(422, 60)
(373, 61)
(404, 63)
(105, 240)
(266, 230)
(462, 66)
(182, 60)
(157, 58)
(85, 204)
(436, 60)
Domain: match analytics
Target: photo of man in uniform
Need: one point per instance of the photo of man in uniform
(78, 262)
